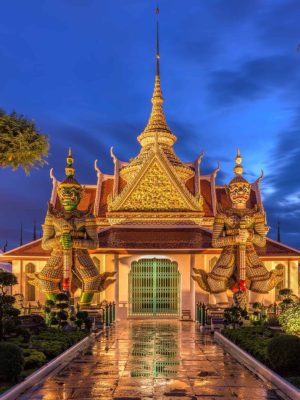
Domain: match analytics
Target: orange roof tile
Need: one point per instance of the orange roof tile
(155, 239)
(190, 184)
(207, 200)
(106, 190)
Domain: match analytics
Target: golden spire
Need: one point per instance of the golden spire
(157, 135)
(70, 181)
(157, 122)
(238, 168)
(70, 171)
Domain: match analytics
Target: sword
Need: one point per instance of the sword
(242, 262)
(67, 264)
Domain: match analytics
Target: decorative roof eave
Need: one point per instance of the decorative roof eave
(55, 184)
(99, 188)
(256, 187)
(115, 158)
(213, 188)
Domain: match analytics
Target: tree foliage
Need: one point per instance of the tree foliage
(8, 313)
(290, 319)
(21, 143)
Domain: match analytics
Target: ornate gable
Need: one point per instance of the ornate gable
(155, 187)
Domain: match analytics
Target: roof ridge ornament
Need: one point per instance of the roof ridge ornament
(157, 120)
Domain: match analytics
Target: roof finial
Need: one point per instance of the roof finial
(157, 40)
(238, 169)
(69, 168)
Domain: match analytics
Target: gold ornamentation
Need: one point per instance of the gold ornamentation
(237, 230)
(156, 188)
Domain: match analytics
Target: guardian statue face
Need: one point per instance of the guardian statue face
(69, 197)
(239, 193)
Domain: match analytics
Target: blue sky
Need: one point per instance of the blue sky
(84, 71)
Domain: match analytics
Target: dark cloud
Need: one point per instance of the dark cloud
(253, 79)
(278, 26)
(283, 204)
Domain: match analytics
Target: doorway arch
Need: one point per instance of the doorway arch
(154, 288)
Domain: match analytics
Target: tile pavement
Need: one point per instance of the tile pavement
(140, 360)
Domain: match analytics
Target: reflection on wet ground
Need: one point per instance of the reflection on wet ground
(154, 360)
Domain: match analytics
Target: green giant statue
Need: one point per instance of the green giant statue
(69, 233)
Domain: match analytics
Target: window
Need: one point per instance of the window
(280, 285)
(30, 289)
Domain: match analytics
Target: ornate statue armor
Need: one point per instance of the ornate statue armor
(236, 230)
(69, 233)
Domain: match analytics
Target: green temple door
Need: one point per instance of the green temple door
(154, 288)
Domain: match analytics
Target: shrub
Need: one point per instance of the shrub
(234, 315)
(284, 354)
(53, 342)
(286, 293)
(273, 321)
(11, 361)
(290, 319)
(62, 297)
(254, 340)
(33, 358)
(50, 348)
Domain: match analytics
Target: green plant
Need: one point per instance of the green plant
(21, 143)
(11, 361)
(284, 354)
(8, 313)
(259, 315)
(33, 358)
(273, 321)
(83, 320)
(234, 315)
(290, 319)
(253, 339)
(285, 293)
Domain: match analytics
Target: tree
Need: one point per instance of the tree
(21, 143)
(290, 319)
(6, 301)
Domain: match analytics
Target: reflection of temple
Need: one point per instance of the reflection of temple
(155, 350)
(154, 216)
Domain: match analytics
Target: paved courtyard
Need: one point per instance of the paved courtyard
(154, 360)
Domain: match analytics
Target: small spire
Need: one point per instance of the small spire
(238, 169)
(21, 234)
(70, 171)
(34, 230)
(278, 232)
(5, 246)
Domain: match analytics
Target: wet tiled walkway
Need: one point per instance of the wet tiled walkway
(154, 360)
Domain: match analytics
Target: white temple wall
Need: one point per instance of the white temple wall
(191, 293)
(19, 269)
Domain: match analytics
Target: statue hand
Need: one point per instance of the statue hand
(242, 236)
(66, 241)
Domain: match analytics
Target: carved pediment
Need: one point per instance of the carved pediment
(155, 188)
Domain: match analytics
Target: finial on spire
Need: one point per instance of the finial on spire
(238, 169)
(157, 40)
(69, 168)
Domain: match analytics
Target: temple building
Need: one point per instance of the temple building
(155, 216)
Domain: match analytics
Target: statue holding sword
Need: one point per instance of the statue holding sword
(236, 230)
(69, 233)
